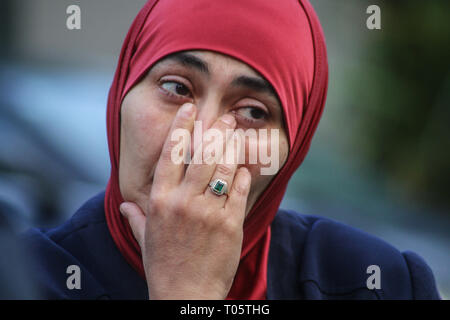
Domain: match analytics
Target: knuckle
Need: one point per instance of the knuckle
(157, 202)
(240, 189)
(181, 205)
(230, 227)
(224, 170)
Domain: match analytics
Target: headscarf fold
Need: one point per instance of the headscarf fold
(284, 42)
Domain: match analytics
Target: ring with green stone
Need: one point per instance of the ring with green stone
(218, 187)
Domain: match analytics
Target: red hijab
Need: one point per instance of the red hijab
(284, 42)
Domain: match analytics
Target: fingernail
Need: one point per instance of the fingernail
(121, 208)
(248, 179)
(245, 169)
(228, 119)
(187, 110)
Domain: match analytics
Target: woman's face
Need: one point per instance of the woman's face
(217, 84)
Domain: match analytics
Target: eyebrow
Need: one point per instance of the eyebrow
(254, 83)
(190, 61)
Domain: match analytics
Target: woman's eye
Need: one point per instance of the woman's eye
(251, 114)
(176, 88)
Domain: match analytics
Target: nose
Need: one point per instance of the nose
(207, 113)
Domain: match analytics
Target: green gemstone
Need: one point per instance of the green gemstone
(219, 186)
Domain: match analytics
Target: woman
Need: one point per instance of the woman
(169, 229)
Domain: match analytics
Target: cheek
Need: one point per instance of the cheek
(143, 132)
(284, 150)
(252, 149)
(263, 152)
(144, 128)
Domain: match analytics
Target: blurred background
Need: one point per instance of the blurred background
(380, 160)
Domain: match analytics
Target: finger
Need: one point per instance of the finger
(170, 167)
(200, 171)
(136, 219)
(237, 198)
(225, 171)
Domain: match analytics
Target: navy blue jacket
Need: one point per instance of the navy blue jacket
(310, 257)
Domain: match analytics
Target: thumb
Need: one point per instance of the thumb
(136, 219)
